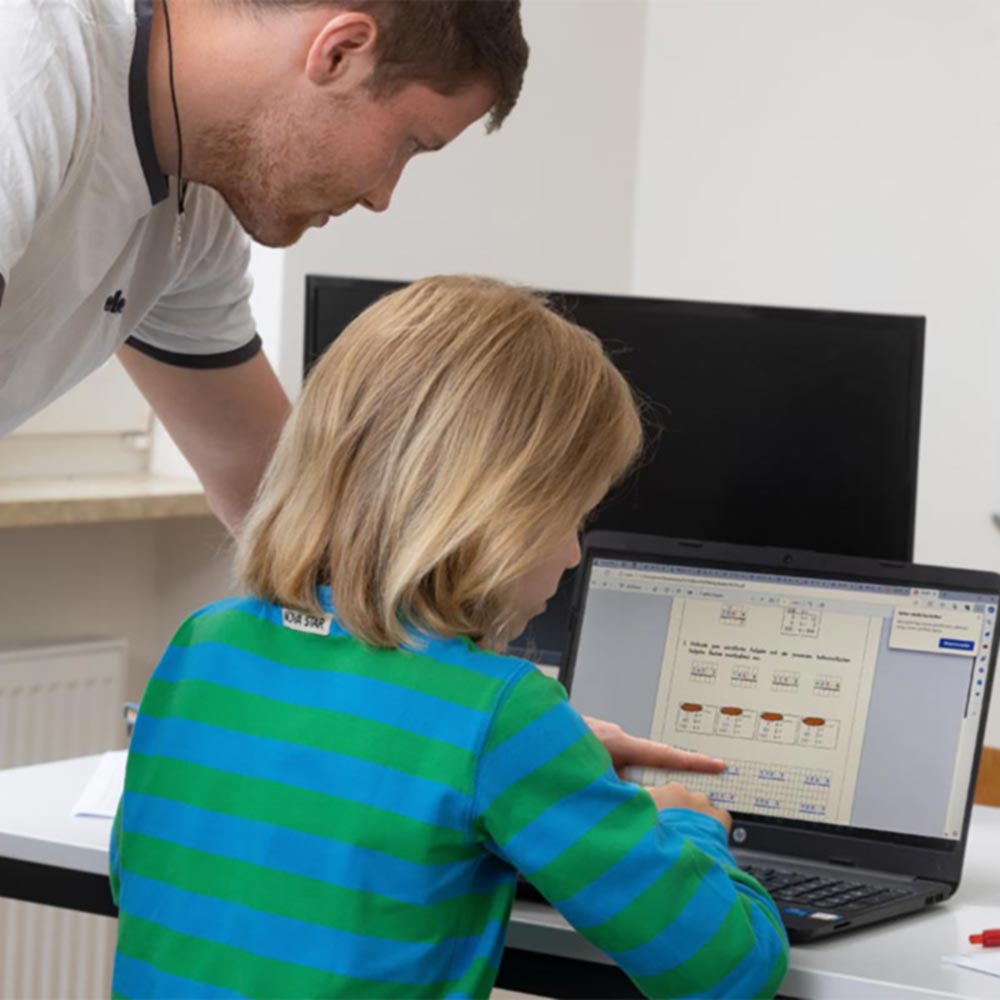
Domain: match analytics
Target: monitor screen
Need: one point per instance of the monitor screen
(818, 692)
(767, 426)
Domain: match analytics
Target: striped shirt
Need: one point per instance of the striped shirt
(307, 816)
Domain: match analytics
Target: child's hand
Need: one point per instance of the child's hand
(676, 796)
(632, 751)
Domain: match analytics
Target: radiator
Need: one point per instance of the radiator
(55, 702)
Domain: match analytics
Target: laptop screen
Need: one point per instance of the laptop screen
(832, 701)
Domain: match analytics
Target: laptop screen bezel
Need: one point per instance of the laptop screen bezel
(920, 856)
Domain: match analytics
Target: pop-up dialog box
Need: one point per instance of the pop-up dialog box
(934, 630)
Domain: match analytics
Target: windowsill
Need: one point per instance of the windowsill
(34, 502)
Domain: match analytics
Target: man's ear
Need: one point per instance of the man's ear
(343, 51)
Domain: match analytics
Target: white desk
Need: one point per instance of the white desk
(899, 959)
(47, 856)
(35, 820)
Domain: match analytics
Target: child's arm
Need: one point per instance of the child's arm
(657, 890)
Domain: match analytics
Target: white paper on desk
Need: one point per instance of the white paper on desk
(980, 959)
(101, 794)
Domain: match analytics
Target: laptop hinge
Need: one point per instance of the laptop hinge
(845, 862)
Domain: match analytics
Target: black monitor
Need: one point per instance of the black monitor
(796, 428)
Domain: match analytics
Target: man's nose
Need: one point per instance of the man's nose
(378, 198)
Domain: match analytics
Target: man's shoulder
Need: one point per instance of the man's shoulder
(42, 41)
(61, 63)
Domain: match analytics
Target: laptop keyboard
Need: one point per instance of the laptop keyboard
(828, 893)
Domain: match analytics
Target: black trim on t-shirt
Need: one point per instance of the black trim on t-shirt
(228, 359)
(138, 103)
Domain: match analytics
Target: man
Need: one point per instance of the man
(279, 113)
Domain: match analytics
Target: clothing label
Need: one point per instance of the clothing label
(303, 622)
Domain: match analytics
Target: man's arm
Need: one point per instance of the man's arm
(226, 421)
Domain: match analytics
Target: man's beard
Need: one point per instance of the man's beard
(243, 170)
(267, 228)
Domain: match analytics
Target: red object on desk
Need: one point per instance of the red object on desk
(988, 939)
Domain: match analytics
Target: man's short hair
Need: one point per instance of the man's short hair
(445, 44)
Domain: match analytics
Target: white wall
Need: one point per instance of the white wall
(843, 154)
(135, 579)
(268, 268)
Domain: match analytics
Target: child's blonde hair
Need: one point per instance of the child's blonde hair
(443, 445)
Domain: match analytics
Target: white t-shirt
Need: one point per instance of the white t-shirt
(87, 223)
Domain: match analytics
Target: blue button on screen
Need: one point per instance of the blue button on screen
(956, 644)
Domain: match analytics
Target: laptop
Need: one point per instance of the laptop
(847, 696)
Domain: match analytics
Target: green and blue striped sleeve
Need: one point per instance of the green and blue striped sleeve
(658, 891)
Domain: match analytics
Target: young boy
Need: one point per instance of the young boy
(333, 782)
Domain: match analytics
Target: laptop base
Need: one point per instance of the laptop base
(816, 900)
